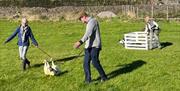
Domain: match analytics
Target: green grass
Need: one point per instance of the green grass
(128, 70)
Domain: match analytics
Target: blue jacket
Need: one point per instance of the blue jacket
(28, 35)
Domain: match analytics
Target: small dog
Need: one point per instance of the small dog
(51, 69)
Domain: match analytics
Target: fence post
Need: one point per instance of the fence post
(122, 9)
(137, 13)
(152, 11)
(176, 13)
(167, 13)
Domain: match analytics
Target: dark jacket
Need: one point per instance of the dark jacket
(28, 35)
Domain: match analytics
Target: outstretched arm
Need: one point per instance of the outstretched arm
(12, 36)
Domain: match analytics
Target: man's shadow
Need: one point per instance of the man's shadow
(125, 69)
(62, 60)
(165, 44)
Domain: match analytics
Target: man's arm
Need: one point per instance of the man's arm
(89, 31)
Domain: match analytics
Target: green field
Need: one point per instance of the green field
(127, 70)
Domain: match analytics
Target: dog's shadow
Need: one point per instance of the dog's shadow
(62, 60)
(125, 69)
(165, 44)
(62, 73)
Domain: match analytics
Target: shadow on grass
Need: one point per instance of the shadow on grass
(125, 69)
(165, 44)
(71, 58)
(62, 73)
(68, 58)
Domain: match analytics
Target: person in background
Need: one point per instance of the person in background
(24, 32)
(152, 28)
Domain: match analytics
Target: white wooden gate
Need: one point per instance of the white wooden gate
(138, 40)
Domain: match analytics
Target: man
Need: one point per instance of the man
(92, 41)
(24, 33)
(153, 30)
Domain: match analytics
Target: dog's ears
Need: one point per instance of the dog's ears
(45, 61)
(52, 63)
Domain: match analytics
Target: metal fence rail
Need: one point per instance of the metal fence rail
(155, 11)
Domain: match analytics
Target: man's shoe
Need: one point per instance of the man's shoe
(87, 82)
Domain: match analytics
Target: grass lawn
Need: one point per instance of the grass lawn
(127, 70)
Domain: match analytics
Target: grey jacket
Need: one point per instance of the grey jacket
(92, 35)
(151, 26)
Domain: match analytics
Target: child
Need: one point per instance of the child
(24, 33)
(152, 28)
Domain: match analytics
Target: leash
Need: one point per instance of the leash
(44, 52)
(80, 52)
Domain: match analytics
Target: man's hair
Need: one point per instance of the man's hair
(81, 14)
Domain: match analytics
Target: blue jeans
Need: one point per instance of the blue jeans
(92, 54)
(22, 52)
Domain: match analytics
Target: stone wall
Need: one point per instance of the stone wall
(70, 12)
